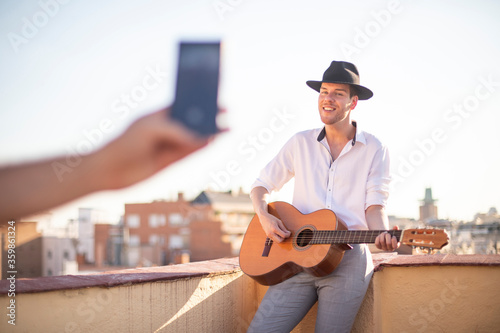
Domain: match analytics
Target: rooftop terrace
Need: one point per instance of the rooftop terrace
(408, 293)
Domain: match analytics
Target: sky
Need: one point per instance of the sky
(67, 66)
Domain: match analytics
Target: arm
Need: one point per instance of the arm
(273, 227)
(274, 175)
(377, 192)
(146, 147)
(377, 219)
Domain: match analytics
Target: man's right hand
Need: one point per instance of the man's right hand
(273, 227)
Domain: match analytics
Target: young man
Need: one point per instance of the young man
(338, 167)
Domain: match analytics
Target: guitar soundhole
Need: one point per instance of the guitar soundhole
(304, 238)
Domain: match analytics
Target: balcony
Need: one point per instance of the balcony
(408, 293)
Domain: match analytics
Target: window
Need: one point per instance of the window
(153, 239)
(133, 221)
(153, 222)
(134, 240)
(162, 219)
(176, 219)
(157, 220)
(176, 242)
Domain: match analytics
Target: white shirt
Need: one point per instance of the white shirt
(356, 180)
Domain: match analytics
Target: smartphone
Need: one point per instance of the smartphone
(195, 104)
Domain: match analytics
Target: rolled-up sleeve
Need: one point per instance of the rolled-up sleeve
(278, 171)
(379, 179)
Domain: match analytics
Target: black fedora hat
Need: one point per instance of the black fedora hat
(342, 72)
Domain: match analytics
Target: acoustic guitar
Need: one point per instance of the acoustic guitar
(316, 244)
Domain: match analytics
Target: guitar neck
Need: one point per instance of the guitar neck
(350, 236)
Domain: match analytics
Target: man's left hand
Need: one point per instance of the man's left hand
(386, 242)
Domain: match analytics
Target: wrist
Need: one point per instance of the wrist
(259, 196)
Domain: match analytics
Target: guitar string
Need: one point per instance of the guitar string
(347, 236)
(344, 236)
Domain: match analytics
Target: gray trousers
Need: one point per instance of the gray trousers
(339, 296)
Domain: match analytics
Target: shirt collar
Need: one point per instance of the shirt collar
(358, 135)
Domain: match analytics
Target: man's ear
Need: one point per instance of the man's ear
(354, 102)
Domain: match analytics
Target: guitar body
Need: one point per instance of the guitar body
(270, 263)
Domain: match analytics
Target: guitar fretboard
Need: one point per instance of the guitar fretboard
(349, 236)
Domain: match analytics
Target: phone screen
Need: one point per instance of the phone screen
(195, 103)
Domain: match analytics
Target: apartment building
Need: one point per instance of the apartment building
(165, 232)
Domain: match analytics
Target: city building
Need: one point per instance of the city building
(87, 219)
(109, 245)
(428, 209)
(480, 236)
(37, 254)
(166, 232)
(233, 209)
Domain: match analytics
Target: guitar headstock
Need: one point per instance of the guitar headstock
(425, 238)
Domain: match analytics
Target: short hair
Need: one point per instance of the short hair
(353, 91)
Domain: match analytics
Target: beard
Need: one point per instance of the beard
(332, 118)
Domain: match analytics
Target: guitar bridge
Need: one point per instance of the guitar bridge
(267, 247)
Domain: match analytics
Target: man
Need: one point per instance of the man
(338, 167)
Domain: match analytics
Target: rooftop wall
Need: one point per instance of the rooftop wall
(442, 293)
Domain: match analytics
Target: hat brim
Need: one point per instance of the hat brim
(363, 92)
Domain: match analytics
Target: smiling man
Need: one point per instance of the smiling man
(337, 167)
